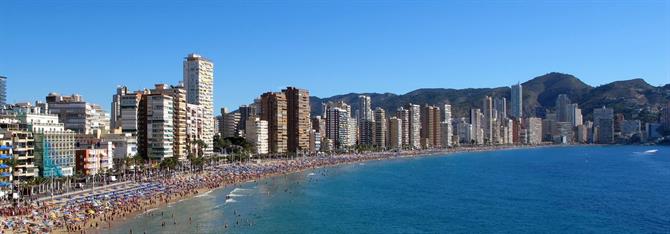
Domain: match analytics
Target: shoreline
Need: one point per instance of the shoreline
(90, 227)
(101, 212)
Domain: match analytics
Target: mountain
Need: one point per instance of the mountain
(539, 93)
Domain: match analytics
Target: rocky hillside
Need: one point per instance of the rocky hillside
(628, 96)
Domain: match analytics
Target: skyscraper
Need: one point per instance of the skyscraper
(365, 120)
(487, 110)
(3, 90)
(563, 108)
(155, 120)
(199, 84)
(414, 131)
(379, 130)
(403, 116)
(517, 101)
(603, 123)
(180, 118)
(575, 115)
(500, 105)
(298, 122)
(395, 133)
(430, 127)
(274, 110)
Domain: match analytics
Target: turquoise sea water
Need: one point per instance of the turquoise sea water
(615, 189)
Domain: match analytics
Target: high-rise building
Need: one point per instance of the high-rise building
(574, 115)
(517, 101)
(181, 120)
(414, 131)
(274, 110)
(395, 133)
(298, 122)
(195, 124)
(500, 106)
(447, 128)
(257, 133)
(403, 115)
(199, 85)
(365, 120)
(476, 119)
(3, 90)
(128, 111)
(116, 107)
(581, 135)
(430, 127)
(379, 130)
(563, 105)
(78, 115)
(337, 126)
(487, 110)
(534, 130)
(155, 120)
(231, 125)
(665, 115)
(603, 123)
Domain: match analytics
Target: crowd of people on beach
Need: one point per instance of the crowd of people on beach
(91, 211)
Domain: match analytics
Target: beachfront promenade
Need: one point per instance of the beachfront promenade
(100, 207)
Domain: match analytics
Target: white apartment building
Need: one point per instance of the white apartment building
(199, 84)
(257, 133)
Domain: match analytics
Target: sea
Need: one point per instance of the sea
(583, 189)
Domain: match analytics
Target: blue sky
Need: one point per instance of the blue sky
(328, 47)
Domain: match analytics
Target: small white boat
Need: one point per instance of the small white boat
(651, 151)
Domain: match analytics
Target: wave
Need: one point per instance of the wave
(239, 190)
(311, 174)
(230, 200)
(204, 194)
(235, 195)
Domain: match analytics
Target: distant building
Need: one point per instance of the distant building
(414, 128)
(487, 123)
(500, 105)
(3, 90)
(365, 120)
(575, 115)
(379, 130)
(395, 133)
(403, 115)
(665, 115)
(430, 127)
(603, 123)
(517, 101)
(563, 105)
(337, 126)
(534, 130)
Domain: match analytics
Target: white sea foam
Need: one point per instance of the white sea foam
(230, 200)
(311, 174)
(204, 194)
(235, 195)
